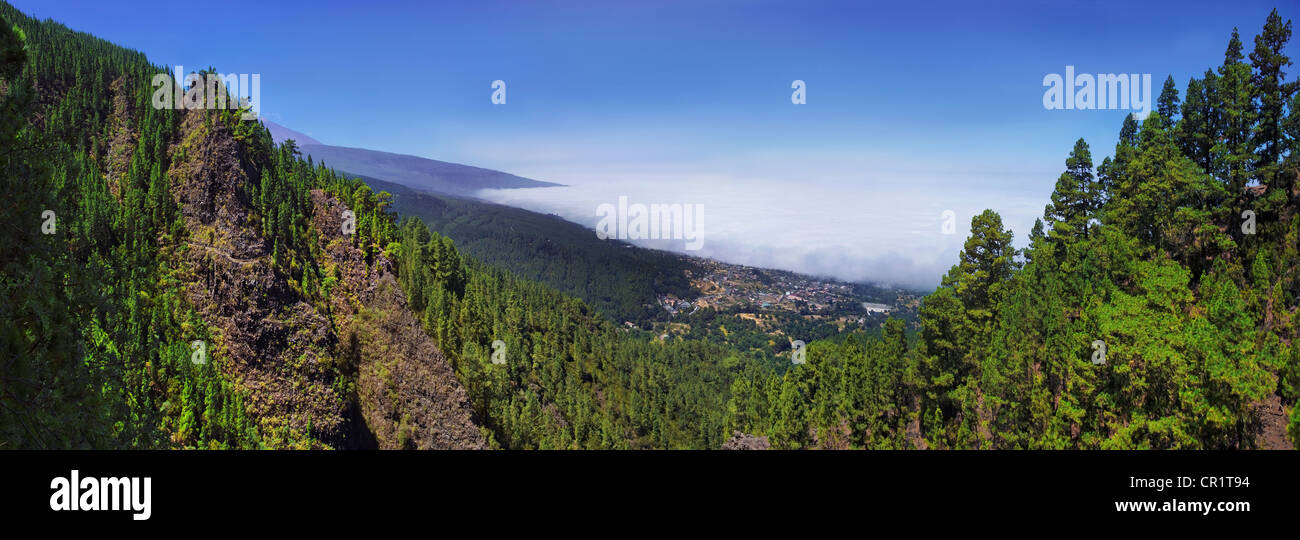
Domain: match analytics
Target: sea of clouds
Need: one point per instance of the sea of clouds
(884, 230)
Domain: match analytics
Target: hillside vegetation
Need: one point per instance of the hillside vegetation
(617, 279)
(170, 284)
(1154, 307)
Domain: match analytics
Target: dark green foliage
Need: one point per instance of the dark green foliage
(619, 281)
(1271, 92)
(1077, 196)
(1198, 128)
(1144, 315)
(570, 378)
(1167, 103)
(1237, 114)
(1195, 314)
(1141, 314)
(95, 342)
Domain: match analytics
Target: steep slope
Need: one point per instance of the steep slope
(176, 227)
(408, 393)
(384, 382)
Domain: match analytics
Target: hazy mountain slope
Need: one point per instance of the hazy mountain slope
(618, 279)
(412, 171)
(280, 134)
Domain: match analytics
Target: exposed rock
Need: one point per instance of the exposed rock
(1271, 430)
(743, 441)
(409, 394)
(293, 359)
(274, 345)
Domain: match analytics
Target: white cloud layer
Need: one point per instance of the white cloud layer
(885, 230)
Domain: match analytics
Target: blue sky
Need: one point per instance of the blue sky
(940, 96)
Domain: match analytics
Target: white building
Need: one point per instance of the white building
(876, 308)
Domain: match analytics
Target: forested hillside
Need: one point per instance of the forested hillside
(167, 286)
(176, 226)
(617, 279)
(1154, 307)
(1177, 255)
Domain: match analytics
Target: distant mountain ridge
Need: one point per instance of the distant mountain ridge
(411, 171)
(280, 134)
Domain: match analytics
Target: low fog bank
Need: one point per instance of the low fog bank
(883, 232)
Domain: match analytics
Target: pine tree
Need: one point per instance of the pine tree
(1234, 160)
(1271, 92)
(1167, 103)
(1111, 175)
(1197, 130)
(1077, 195)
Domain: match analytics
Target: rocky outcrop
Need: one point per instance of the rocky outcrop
(275, 346)
(744, 441)
(355, 371)
(408, 392)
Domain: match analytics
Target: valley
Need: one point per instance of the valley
(436, 320)
(783, 306)
(731, 287)
(640, 287)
